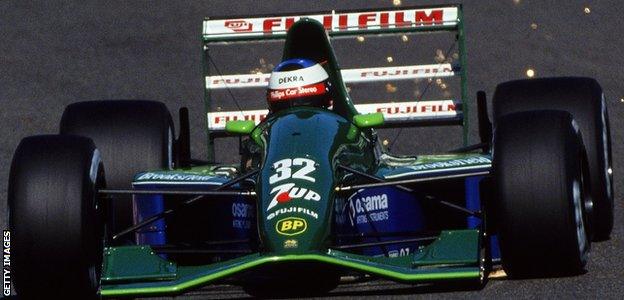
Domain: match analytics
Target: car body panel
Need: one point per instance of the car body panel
(454, 256)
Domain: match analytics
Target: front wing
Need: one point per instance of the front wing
(138, 271)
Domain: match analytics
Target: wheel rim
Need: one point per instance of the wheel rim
(581, 236)
(605, 148)
(98, 182)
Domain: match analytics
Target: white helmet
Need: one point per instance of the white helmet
(298, 82)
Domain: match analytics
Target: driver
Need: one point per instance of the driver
(298, 82)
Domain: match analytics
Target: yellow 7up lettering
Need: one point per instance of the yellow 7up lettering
(283, 169)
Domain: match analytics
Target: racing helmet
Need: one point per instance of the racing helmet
(298, 82)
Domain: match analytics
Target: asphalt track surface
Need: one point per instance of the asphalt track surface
(54, 54)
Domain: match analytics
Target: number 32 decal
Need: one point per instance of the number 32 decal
(284, 169)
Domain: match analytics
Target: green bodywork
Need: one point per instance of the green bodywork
(240, 127)
(301, 149)
(373, 120)
(319, 139)
(325, 140)
(453, 256)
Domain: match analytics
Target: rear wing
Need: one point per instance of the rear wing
(403, 112)
(336, 23)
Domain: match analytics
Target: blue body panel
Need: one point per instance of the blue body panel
(144, 207)
(473, 202)
(228, 218)
(384, 211)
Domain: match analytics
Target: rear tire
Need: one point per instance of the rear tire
(584, 99)
(541, 191)
(55, 217)
(132, 136)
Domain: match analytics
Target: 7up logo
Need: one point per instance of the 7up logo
(296, 168)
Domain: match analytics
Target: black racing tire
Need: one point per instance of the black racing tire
(541, 191)
(132, 136)
(584, 99)
(55, 217)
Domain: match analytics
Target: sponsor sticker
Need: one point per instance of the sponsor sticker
(394, 112)
(334, 22)
(173, 177)
(285, 193)
(289, 169)
(290, 244)
(348, 76)
(452, 163)
(302, 91)
(399, 252)
(292, 210)
(242, 214)
(362, 208)
(291, 226)
(238, 25)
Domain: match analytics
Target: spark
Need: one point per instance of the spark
(516, 2)
(587, 10)
(404, 38)
(530, 73)
(360, 39)
(390, 88)
(610, 171)
(385, 142)
(439, 57)
(396, 2)
(533, 26)
(389, 59)
(622, 100)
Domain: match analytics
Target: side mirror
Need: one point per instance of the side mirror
(369, 120)
(240, 126)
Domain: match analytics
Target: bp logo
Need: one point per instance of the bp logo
(291, 226)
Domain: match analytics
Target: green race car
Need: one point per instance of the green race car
(114, 206)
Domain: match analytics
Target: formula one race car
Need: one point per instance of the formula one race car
(114, 206)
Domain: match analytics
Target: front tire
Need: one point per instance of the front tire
(541, 191)
(55, 217)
